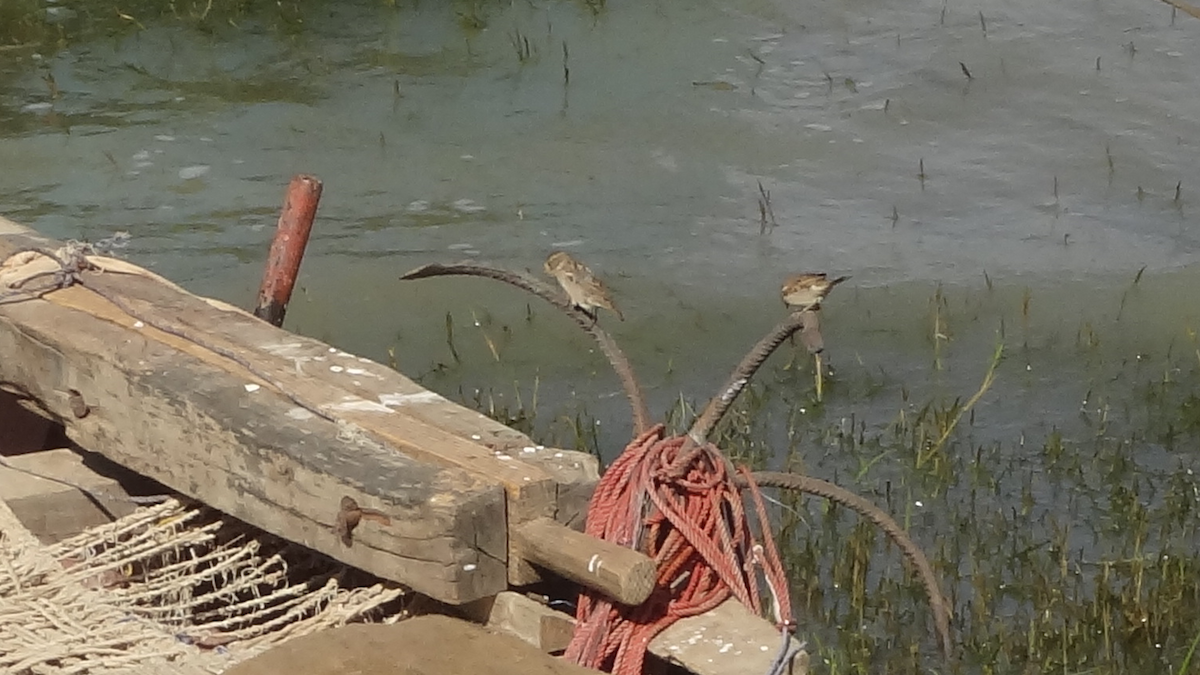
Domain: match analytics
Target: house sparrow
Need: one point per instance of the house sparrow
(802, 292)
(583, 288)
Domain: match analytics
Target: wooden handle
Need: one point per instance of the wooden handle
(620, 573)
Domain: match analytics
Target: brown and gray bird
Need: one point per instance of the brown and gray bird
(582, 287)
(803, 292)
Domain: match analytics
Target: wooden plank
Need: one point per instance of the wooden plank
(362, 382)
(391, 409)
(530, 489)
(378, 397)
(423, 645)
(174, 416)
(329, 385)
(380, 405)
(727, 640)
(519, 615)
(54, 511)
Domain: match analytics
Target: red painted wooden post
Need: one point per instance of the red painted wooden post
(287, 248)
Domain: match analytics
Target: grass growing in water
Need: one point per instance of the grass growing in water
(1069, 557)
(1067, 542)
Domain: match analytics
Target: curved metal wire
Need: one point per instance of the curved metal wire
(910, 550)
(751, 362)
(529, 284)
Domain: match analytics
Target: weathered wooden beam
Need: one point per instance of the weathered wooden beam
(335, 383)
(379, 405)
(540, 482)
(173, 417)
(167, 411)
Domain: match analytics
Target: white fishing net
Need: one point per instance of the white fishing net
(170, 588)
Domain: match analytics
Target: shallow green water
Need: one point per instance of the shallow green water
(1061, 511)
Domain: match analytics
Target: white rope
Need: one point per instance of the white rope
(147, 592)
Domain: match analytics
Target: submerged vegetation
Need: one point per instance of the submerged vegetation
(1068, 541)
(1047, 465)
(1075, 554)
(38, 25)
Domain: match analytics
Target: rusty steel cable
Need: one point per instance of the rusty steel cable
(911, 552)
(745, 370)
(530, 284)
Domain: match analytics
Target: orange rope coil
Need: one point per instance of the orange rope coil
(682, 509)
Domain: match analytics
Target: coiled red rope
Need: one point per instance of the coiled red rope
(690, 519)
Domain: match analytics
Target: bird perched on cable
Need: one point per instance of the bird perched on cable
(804, 292)
(582, 287)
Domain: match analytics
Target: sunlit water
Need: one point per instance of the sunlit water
(1031, 191)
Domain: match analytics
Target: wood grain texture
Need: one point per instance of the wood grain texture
(198, 430)
(169, 411)
(370, 410)
(539, 482)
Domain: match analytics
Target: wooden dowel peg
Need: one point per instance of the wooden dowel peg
(620, 573)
